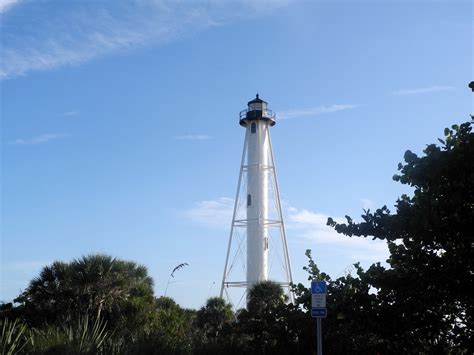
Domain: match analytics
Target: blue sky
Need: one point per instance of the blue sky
(120, 124)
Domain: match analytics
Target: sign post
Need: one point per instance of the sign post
(318, 309)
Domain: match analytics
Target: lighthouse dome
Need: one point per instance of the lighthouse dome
(257, 110)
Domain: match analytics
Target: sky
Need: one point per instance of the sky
(120, 134)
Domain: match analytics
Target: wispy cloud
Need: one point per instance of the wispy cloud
(310, 227)
(6, 5)
(71, 113)
(212, 213)
(44, 138)
(314, 111)
(193, 137)
(82, 31)
(425, 90)
(304, 226)
(367, 203)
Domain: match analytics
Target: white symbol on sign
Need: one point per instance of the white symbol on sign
(318, 288)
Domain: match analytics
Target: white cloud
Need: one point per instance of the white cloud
(307, 218)
(314, 111)
(212, 213)
(70, 113)
(310, 227)
(84, 31)
(303, 226)
(424, 90)
(367, 204)
(193, 137)
(6, 5)
(44, 138)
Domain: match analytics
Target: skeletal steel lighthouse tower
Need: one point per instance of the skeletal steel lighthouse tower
(257, 240)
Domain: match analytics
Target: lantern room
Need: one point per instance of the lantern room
(257, 110)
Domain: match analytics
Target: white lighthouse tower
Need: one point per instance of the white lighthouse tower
(257, 228)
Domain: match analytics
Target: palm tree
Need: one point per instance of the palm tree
(106, 281)
(94, 285)
(214, 316)
(265, 295)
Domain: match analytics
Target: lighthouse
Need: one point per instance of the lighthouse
(257, 238)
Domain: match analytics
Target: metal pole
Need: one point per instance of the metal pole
(244, 150)
(283, 232)
(314, 337)
(319, 338)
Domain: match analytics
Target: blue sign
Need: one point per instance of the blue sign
(318, 299)
(318, 286)
(319, 312)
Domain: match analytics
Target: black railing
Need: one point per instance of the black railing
(265, 113)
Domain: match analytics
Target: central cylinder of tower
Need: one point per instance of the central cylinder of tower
(257, 119)
(257, 200)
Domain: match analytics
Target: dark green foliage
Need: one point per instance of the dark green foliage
(172, 327)
(425, 296)
(97, 285)
(214, 324)
(169, 332)
(265, 297)
(349, 327)
(262, 322)
(79, 336)
(269, 325)
(214, 317)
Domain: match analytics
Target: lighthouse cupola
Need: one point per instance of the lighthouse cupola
(257, 110)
